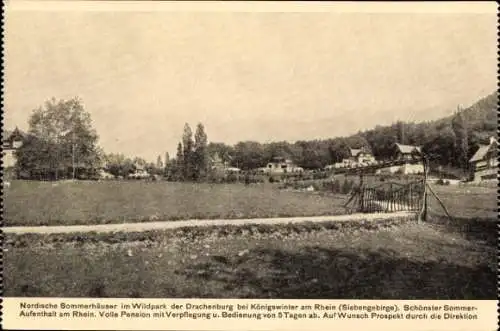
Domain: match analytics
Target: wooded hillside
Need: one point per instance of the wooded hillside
(449, 141)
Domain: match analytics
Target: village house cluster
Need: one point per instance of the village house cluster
(406, 158)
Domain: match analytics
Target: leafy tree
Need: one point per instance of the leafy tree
(119, 165)
(442, 148)
(249, 155)
(34, 159)
(63, 130)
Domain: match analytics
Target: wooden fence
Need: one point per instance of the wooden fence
(388, 197)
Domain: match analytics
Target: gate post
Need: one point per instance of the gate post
(361, 193)
(422, 217)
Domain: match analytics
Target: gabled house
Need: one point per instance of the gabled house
(218, 162)
(412, 155)
(408, 161)
(140, 172)
(360, 156)
(484, 162)
(282, 165)
(407, 152)
(222, 163)
(11, 142)
(357, 158)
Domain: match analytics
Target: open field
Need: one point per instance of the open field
(465, 201)
(64, 203)
(389, 259)
(392, 260)
(460, 201)
(68, 203)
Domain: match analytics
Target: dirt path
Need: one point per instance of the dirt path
(146, 226)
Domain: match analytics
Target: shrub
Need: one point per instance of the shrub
(442, 182)
(231, 178)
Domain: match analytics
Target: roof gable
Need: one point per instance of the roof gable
(483, 151)
(356, 151)
(408, 149)
(9, 134)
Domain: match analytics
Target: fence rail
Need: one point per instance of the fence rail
(388, 197)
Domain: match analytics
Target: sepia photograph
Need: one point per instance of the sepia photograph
(249, 154)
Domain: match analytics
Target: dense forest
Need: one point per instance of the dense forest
(449, 141)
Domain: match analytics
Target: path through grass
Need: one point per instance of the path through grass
(408, 261)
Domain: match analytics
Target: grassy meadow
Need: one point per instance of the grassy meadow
(29, 203)
(465, 201)
(384, 260)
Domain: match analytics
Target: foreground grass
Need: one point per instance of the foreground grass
(395, 260)
(41, 203)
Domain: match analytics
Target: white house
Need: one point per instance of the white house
(11, 142)
(357, 158)
(411, 158)
(280, 165)
(139, 173)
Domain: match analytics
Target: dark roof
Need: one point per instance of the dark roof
(7, 134)
(483, 150)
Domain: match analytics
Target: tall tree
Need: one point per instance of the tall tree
(188, 145)
(167, 158)
(459, 124)
(442, 148)
(159, 163)
(63, 129)
(200, 154)
(178, 170)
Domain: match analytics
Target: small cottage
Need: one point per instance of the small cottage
(11, 142)
(407, 152)
(484, 162)
(282, 165)
(408, 159)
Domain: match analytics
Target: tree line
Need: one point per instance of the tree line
(449, 141)
(61, 143)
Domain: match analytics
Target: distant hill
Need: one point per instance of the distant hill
(449, 141)
(443, 138)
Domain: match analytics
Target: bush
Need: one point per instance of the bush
(442, 182)
(231, 178)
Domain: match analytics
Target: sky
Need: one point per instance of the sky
(263, 76)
